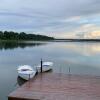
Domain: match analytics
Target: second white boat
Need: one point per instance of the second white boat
(46, 66)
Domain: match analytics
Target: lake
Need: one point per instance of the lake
(83, 58)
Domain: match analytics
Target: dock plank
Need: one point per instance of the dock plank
(55, 86)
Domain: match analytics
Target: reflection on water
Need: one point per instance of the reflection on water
(13, 45)
(81, 58)
(89, 48)
(83, 48)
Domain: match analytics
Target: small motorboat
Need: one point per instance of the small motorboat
(26, 72)
(46, 66)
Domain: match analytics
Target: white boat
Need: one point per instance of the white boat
(46, 66)
(26, 72)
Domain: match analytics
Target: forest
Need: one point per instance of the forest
(10, 35)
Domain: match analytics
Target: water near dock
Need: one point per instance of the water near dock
(82, 58)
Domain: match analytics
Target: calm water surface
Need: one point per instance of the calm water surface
(82, 58)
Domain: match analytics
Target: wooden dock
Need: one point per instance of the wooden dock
(52, 86)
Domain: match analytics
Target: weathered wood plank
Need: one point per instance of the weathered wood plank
(52, 86)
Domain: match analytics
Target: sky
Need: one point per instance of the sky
(57, 18)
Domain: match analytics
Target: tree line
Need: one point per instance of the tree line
(22, 36)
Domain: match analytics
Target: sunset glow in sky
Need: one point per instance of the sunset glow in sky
(58, 18)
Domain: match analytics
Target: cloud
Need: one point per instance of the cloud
(87, 31)
(60, 18)
(93, 35)
(75, 18)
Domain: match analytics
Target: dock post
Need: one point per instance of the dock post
(29, 76)
(41, 65)
(69, 70)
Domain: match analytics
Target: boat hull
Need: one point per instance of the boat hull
(26, 76)
(44, 69)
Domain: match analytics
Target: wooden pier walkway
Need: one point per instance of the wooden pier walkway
(51, 86)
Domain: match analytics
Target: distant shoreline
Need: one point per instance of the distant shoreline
(76, 40)
(51, 40)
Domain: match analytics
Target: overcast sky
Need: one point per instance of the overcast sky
(59, 18)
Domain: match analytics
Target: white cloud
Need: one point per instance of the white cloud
(87, 31)
(60, 18)
(72, 19)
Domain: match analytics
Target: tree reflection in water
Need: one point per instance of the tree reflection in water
(12, 45)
